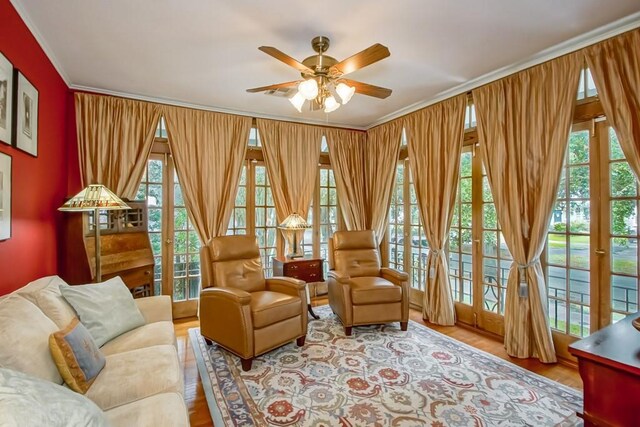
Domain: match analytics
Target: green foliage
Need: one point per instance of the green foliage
(560, 227)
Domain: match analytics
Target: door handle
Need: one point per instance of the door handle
(169, 241)
(600, 251)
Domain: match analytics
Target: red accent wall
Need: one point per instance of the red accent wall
(39, 184)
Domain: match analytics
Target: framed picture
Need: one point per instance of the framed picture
(25, 123)
(6, 104)
(5, 196)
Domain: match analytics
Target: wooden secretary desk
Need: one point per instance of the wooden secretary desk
(125, 248)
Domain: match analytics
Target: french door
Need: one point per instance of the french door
(591, 259)
(175, 243)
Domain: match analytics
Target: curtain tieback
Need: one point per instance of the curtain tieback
(432, 269)
(523, 285)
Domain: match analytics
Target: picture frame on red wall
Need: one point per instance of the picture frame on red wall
(5, 196)
(25, 117)
(6, 101)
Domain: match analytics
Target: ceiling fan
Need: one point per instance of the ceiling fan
(322, 76)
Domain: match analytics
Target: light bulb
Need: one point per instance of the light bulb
(345, 92)
(330, 104)
(308, 89)
(297, 101)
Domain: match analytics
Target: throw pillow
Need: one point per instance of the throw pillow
(77, 356)
(24, 339)
(107, 309)
(27, 401)
(45, 293)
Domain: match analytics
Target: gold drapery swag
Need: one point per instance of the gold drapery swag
(115, 136)
(208, 149)
(381, 157)
(524, 122)
(346, 152)
(364, 166)
(291, 154)
(434, 138)
(615, 67)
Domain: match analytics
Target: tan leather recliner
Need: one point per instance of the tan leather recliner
(241, 310)
(360, 291)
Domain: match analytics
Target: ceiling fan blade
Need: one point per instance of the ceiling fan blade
(280, 56)
(361, 59)
(367, 89)
(271, 87)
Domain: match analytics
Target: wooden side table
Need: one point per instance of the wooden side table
(308, 269)
(609, 364)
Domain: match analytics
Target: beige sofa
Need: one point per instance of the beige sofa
(142, 381)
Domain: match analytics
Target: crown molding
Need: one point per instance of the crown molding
(17, 5)
(173, 102)
(594, 36)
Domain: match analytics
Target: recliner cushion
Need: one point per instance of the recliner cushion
(269, 307)
(374, 290)
(357, 262)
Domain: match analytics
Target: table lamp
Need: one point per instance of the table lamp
(95, 197)
(293, 231)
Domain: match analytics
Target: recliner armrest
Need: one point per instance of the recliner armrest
(285, 285)
(340, 278)
(393, 275)
(231, 294)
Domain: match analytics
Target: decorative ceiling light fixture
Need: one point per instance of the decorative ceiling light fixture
(323, 76)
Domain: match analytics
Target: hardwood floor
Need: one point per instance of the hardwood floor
(197, 403)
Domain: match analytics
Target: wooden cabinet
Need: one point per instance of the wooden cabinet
(307, 269)
(609, 364)
(125, 248)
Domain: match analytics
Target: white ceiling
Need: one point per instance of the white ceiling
(204, 52)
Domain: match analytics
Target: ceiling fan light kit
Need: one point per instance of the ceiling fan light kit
(323, 76)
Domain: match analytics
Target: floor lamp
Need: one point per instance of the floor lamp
(94, 198)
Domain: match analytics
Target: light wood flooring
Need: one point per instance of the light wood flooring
(197, 403)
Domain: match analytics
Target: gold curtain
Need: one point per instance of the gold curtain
(208, 150)
(523, 126)
(381, 158)
(346, 151)
(434, 138)
(291, 154)
(115, 136)
(615, 66)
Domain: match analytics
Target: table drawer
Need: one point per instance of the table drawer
(310, 271)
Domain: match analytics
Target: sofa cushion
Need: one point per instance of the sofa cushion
(27, 401)
(160, 410)
(78, 358)
(24, 339)
(373, 290)
(107, 309)
(137, 374)
(268, 308)
(155, 309)
(45, 293)
(157, 333)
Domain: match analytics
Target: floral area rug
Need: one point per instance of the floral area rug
(380, 376)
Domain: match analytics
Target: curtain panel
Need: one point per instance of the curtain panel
(524, 122)
(434, 138)
(615, 66)
(381, 157)
(115, 136)
(291, 154)
(347, 155)
(208, 149)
